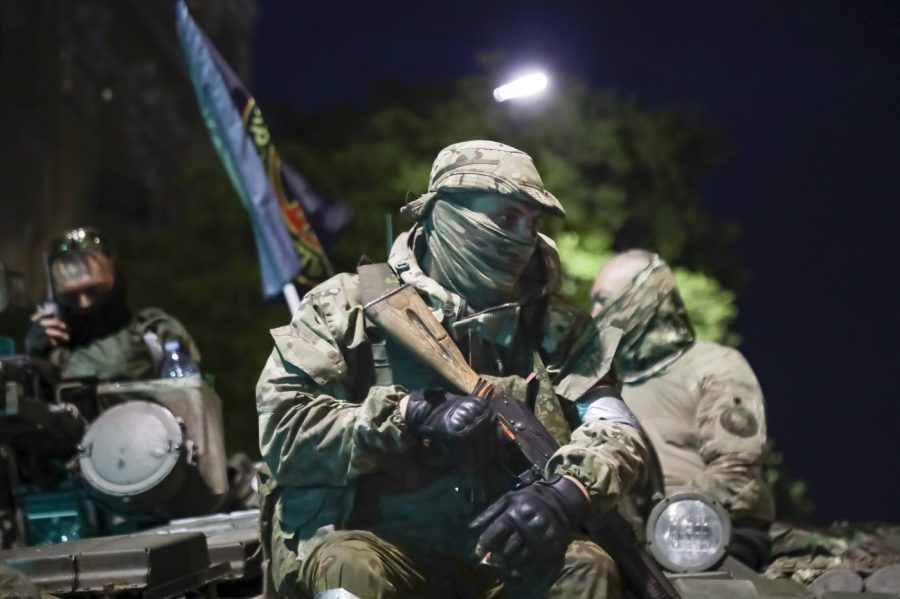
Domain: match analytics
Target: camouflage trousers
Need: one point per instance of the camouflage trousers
(370, 566)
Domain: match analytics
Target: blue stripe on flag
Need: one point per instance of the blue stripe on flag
(278, 259)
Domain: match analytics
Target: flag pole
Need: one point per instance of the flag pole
(291, 297)
(389, 231)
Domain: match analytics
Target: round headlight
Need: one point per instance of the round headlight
(688, 532)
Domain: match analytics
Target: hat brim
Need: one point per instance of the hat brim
(457, 182)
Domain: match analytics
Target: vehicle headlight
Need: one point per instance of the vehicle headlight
(688, 532)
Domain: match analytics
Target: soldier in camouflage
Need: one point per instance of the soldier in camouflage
(698, 401)
(384, 485)
(89, 330)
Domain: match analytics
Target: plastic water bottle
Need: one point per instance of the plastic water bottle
(178, 364)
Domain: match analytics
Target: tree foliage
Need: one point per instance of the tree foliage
(629, 175)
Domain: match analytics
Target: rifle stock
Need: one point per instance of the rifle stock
(404, 317)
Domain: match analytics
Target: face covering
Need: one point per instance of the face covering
(108, 314)
(473, 256)
(654, 321)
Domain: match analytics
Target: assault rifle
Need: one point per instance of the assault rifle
(403, 317)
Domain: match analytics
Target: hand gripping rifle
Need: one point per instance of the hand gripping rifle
(403, 316)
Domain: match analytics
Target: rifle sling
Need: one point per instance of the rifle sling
(376, 280)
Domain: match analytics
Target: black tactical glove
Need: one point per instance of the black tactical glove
(465, 426)
(530, 528)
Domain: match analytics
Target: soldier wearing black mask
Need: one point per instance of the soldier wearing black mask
(89, 329)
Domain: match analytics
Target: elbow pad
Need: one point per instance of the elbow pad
(605, 403)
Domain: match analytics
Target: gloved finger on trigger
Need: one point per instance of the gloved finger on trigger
(489, 514)
(496, 534)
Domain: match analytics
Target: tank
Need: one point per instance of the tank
(118, 487)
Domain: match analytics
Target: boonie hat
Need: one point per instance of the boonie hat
(487, 166)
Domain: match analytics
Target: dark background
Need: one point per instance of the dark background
(807, 94)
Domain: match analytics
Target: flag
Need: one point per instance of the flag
(303, 211)
(275, 196)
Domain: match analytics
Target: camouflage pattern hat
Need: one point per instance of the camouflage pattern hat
(487, 166)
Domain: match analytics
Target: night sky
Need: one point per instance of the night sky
(808, 94)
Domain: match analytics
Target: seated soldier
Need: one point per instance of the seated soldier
(89, 329)
(699, 402)
(386, 485)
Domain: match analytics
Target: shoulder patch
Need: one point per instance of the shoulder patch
(739, 421)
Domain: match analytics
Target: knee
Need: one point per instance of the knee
(358, 562)
(302, 568)
(588, 571)
(590, 558)
(347, 554)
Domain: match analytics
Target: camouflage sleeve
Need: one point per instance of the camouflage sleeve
(606, 457)
(606, 454)
(311, 433)
(731, 422)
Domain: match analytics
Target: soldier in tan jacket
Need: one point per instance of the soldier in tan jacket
(699, 402)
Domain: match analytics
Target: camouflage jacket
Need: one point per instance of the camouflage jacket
(127, 354)
(337, 447)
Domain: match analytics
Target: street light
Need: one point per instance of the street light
(527, 85)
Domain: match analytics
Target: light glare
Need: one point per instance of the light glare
(689, 532)
(528, 85)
